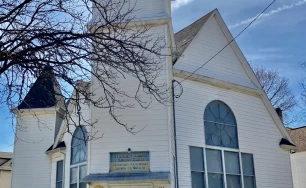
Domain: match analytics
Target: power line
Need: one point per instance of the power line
(230, 41)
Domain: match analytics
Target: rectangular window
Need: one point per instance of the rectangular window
(76, 175)
(248, 170)
(197, 167)
(83, 172)
(232, 167)
(214, 168)
(59, 174)
(223, 168)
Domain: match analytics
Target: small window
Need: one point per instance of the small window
(59, 174)
(220, 125)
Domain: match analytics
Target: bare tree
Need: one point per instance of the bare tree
(78, 40)
(278, 90)
(303, 86)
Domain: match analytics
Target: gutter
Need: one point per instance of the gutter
(174, 129)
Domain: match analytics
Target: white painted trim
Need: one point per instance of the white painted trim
(37, 111)
(215, 82)
(289, 147)
(162, 20)
(169, 96)
(171, 33)
(238, 88)
(57, 150)
(64, 124)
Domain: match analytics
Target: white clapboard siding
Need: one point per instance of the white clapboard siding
(298, 164)
(225, 66)
(154, 121)
(31, 165)
(141, 10)
(257, 133)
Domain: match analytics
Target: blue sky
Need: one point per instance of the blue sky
(276, 41)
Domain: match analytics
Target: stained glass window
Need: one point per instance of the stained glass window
(78, 168)
(79, 146)
(220, 125)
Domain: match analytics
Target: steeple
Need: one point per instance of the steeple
(44, 93)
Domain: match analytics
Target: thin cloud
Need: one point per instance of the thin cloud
(179, 3)
(272, 12)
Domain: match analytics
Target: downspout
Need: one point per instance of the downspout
(174, 130)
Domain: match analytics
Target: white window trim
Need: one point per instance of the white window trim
(223, 149)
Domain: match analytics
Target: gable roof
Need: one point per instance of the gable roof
(188, 36)
(246, 67)
(44, 93)
(298, 136)
(184, 37)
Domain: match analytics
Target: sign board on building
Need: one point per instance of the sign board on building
(130, 162)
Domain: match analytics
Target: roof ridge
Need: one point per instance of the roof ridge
(195, 21)
(186, 35)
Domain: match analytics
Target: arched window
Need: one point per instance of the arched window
(78, 161)
(220, 125)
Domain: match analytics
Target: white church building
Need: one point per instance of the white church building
(222, 132)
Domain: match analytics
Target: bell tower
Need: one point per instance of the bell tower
(38, 118)
(153, 144)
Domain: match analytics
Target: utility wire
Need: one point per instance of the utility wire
(230, 41)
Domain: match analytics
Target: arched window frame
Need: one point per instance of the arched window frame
(226, 125)
(78, 170)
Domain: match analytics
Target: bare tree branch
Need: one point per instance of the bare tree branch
(81, 40)
(278, 91)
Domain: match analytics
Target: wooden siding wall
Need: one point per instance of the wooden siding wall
(226, 66)
(153, 138)
(257, 133)
(298, 164)
(31, 165)
(144, 10)
(5, 178)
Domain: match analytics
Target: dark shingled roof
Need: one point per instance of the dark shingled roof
(184, 37)
(285, 142)
(298, 136)
(60, 145)
(44, 93)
